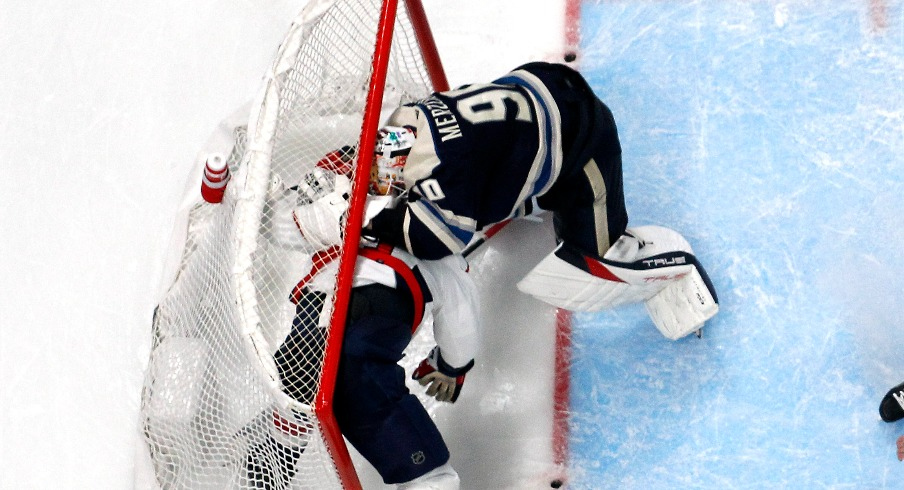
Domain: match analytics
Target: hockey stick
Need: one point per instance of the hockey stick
(476, 244)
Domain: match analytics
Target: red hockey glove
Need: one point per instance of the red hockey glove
(445, 381)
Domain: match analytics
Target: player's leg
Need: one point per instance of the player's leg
(588, 199)
(299, 357)
(590, 220)
(271, 462)
(598, 218)
(376, 413)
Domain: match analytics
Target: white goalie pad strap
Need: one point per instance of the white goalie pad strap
(683, 305)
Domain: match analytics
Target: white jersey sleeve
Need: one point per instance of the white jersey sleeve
(455, 307)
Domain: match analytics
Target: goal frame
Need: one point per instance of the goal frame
(323, 405)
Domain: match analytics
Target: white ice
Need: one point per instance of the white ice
(103, 109)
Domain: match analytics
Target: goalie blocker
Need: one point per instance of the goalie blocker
(652, 264)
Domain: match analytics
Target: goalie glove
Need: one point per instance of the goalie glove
(314, 185)
(296, 223)
(320, 222)
(445, 381)
(328, 175)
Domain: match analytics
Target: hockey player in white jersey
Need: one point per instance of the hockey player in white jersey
(392, 291)
(539, 139)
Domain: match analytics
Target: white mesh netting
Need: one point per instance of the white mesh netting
(227, 401)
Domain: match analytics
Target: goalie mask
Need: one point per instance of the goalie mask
(390, 154)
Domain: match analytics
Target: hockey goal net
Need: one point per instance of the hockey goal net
(216, 411)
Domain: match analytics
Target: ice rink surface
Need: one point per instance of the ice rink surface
(770, 134)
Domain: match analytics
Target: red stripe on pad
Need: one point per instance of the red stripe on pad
(600, 270)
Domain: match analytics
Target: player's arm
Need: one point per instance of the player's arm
(455, 309)
(419, 227)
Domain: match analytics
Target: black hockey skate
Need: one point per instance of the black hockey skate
(892, 407)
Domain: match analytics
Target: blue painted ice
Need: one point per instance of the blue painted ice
(770, 134)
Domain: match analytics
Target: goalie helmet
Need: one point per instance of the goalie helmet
(390, 154)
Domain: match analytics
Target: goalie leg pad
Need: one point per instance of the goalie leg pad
(684, 305)
(561, 283)
(637, 267)
(649, 264)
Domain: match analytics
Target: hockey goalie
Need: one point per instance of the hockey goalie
(538, 139)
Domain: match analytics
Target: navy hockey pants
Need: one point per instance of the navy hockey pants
(588, 199)
(373, 407)
(376, 413)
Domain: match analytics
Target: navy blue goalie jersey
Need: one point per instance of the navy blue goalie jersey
(483, 154)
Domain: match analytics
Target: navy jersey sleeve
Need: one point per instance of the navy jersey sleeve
(396, 227)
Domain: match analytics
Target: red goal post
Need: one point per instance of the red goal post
(213, 396)
(372, 119)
